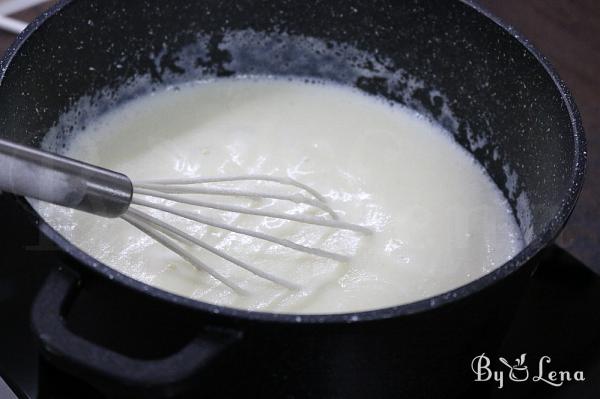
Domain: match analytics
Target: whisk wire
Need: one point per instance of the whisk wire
(239, 230)
(200, 180)
(183, 236)
(162, 239)
(239, 209)
(171, 237)
(152, 189)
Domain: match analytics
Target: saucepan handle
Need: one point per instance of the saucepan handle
(104, 367)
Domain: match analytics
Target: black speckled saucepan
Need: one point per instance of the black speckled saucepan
(447, 59)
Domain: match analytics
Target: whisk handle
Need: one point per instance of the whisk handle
(63, 181)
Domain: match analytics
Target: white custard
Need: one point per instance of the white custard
(439, 220)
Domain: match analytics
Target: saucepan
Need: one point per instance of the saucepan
(449, 60)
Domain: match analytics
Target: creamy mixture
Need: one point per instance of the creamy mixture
(439, 220)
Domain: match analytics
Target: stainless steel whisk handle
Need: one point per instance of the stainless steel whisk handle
(63, 181)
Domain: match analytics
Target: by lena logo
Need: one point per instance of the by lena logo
(519, 372)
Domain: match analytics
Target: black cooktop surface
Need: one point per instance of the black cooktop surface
(559, 318)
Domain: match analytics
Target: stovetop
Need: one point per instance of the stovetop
(559, 317)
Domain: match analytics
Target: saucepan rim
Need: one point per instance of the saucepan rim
(525, 255)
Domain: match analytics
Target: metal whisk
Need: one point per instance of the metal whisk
(64, 181)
